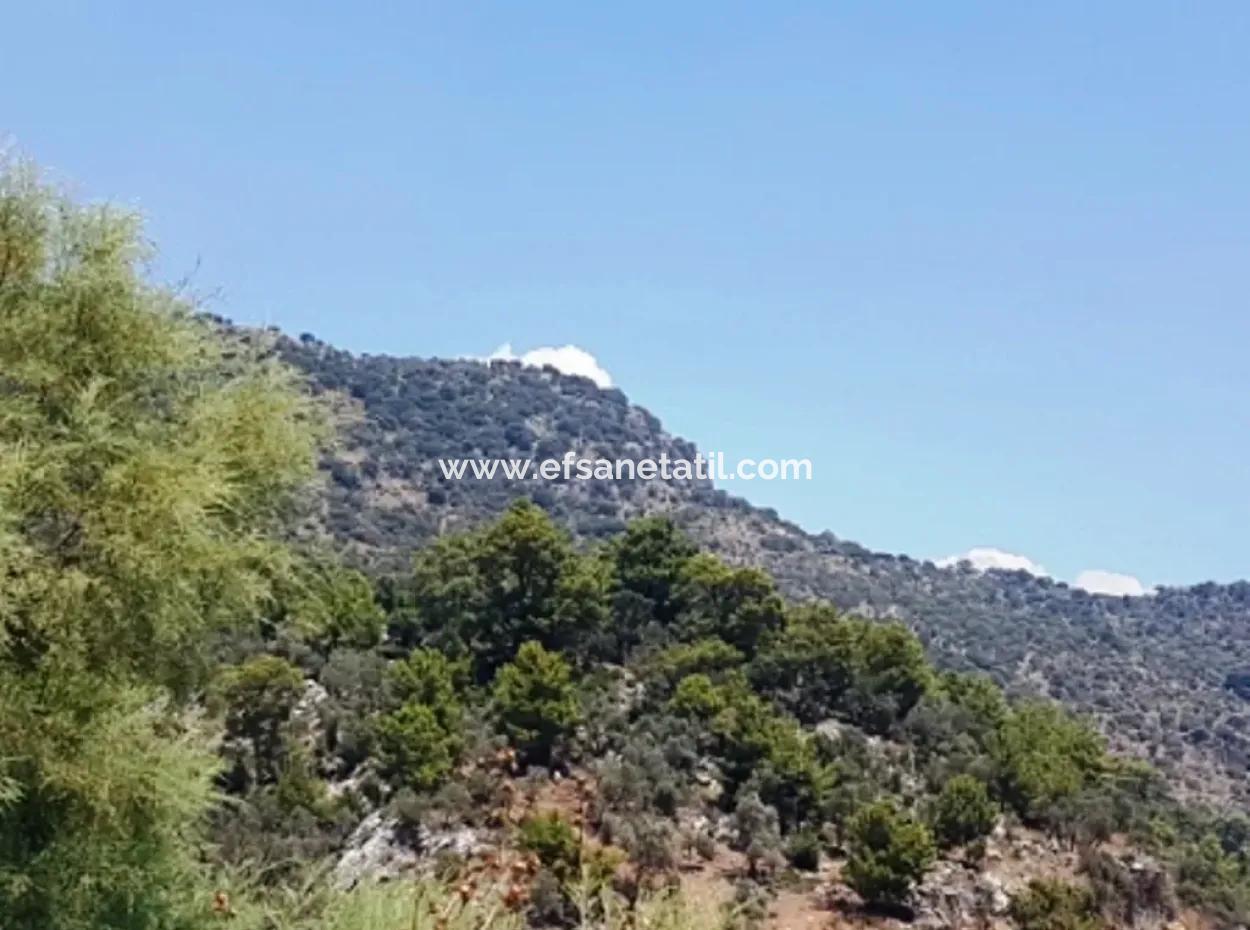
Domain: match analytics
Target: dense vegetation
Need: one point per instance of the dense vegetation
(209, 717)
(1163, 676)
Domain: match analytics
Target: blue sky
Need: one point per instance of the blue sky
(987, 265)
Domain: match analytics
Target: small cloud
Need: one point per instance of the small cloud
(1093, 580)
(570, 359)
(1098, 581)
(984, 558)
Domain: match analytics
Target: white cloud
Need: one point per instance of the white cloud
(572, 360)
(1098, 581)
(984, 558)
(1093, 580)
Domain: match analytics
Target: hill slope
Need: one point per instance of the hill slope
(1152, 670)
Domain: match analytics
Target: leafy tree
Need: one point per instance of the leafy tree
(738, 605)
(811, 663)
(535, 701)
(648, 559)
(803, 850)
(891, 674)
(416, 748)
(485, 593)
(421, 737)
(757, 832)
(146, 466)
(963, 812)
(582, 623)
(448, 597)
(710, 656)
(429, 677)
(1045, 756)
(888, 853)
(258, 696)
(754, 741)
(335, 608)
(522, 561)
(698, 696)
(822, 664)
(982, 702)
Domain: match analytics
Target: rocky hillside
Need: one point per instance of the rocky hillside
(1159, 673)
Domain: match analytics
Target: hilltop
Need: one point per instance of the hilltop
(1151, 670)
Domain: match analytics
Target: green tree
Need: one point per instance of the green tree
(1045, 756)
(334, 607)
(535, 701)
(258, 697)
(888, 853)
(810, 664)
(555, 841)
(429, 677)
(963, 812)
(146, 465)
(891, 674)
(738, 605)
(648, 560)
(755, 742)
(486, 593)
(421, 737)
(416, 749)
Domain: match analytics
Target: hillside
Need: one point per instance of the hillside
(1151, 670)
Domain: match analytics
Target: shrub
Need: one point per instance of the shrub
(555, 841)
(963, 812)
(803, 850)
(416, 748)
(535, 701)
(888, 853)
(258, 696)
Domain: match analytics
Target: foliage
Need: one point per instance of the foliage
(1105, 657)
(823, 664)
(888, 853)
(535, 701)
(803, 850)
(258, 697)
(738, 605)
(963, 812)
(335, 607)
(146, 466)
(416, 749)
(555, 841)
(1045, 756)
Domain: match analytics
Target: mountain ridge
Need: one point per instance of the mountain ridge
(1151, 670)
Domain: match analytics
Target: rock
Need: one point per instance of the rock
(993, 896)
(464, 842)
(377, 848)
(830, 730)
(948, 897)
(306, 715)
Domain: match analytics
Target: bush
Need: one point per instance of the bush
(555, 841)
(535, 701)
(416, 749)
(803, 850)
(258, 697)
(888, 853)
(963, 812)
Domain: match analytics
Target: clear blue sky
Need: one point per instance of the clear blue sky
(988, 265)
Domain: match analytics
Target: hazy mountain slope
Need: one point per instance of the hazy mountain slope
(1151, 669)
